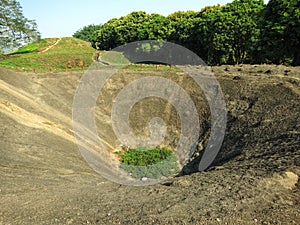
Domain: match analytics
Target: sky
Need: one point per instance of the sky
(61, 18)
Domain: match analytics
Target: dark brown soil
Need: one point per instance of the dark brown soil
(254, 179)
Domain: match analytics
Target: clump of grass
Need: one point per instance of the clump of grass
(148, 162)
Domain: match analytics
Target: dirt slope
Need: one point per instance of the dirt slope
(254, 180)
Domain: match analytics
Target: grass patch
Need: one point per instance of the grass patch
(152, 67)
(33, 47)
(114, 58)
(148, 162)
(67, 53)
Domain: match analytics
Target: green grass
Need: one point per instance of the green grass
(33, 47)
(119, 59)
(152, 67)
(114, 58)
(148, 162)
(67, 53)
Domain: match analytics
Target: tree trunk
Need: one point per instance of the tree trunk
(296, 60)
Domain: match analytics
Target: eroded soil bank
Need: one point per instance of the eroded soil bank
(254, 180)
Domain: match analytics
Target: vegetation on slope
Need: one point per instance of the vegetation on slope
(148, 162)
(50, 54)
(15, 28)
(243, 31)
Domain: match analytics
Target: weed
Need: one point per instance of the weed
(148, 162)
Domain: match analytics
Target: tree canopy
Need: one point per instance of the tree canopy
(243, 31)
(15, 29)
(87, 33)
(281, 31)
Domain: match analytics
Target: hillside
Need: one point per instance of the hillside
(50, 55)
(254, 180)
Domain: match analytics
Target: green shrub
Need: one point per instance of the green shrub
(149, 162)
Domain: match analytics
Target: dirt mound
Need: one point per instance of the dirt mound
(254, 179)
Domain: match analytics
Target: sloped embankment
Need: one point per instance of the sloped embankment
(44, 179)
(50, 55)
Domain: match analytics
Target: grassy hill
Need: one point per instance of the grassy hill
(59, 54)
(50, 54)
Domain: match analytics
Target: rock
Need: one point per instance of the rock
(268, 71)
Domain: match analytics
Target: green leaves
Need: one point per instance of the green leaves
(135, 26)
(233, 28)
(144, 156)
(220, 34)
(243, 31)
(150, 163)
(15, 29)
(87, 33)
(281, 31)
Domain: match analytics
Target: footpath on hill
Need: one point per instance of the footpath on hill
(51, 46)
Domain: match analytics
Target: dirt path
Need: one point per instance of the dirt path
(51, 46)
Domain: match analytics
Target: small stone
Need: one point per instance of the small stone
(218, 220)
(268, 71)
(286, 72)
(144, 178)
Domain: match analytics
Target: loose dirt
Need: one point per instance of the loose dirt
(254, 179)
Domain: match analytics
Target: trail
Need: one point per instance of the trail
(51, 46)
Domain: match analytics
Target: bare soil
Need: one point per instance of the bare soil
(254, 179)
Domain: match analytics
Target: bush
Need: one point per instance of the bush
(148, 162)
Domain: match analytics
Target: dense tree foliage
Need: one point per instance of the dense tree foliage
(281, 31)
(230, 32)
(87, 33)
(133, 27)
(243, 31)
(15, 29)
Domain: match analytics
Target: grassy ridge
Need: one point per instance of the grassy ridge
(55, 55)
(41, 57)
(35, 46)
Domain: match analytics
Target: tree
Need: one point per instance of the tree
(226, 34)
(87, 32)
(243, 31)
(156, 27)
(208, 31)
(120, 31)
(15, 29)
(240, 28)
(135, 26)
(220, 34)
(201, 32)
(281, 31)
(182, 24)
